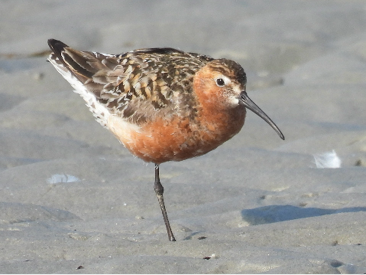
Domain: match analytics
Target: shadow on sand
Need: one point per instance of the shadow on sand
(279, 213)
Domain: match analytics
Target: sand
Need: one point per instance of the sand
(73, 200)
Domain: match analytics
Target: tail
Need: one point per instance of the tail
(57, 46)
(79, 69)
(76, 62)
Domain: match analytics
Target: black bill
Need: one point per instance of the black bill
(254, 108)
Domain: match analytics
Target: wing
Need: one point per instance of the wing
(135, 84)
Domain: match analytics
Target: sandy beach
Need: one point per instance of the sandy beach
(74, 200)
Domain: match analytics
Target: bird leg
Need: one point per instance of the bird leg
(159, 190)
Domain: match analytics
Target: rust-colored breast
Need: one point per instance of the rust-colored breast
(173, 136)
(180, 139)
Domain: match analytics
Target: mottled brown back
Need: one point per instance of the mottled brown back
(135, 84)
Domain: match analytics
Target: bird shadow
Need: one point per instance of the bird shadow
(280, 213)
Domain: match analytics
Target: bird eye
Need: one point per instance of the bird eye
(220, 82)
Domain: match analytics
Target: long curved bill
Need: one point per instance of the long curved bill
(254, 108)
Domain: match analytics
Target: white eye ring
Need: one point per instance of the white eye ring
(220, 82)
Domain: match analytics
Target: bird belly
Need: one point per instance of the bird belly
(164, 140)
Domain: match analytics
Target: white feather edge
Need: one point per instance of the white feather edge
(121, 128)
(100, 112)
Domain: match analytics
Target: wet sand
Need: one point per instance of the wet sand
(74, 200)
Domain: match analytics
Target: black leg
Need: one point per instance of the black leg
(159, 190)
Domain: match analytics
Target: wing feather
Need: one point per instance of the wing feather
(135, 84)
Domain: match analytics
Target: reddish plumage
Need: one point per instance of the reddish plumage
(162, 104)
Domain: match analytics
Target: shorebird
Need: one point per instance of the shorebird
(162, 104)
